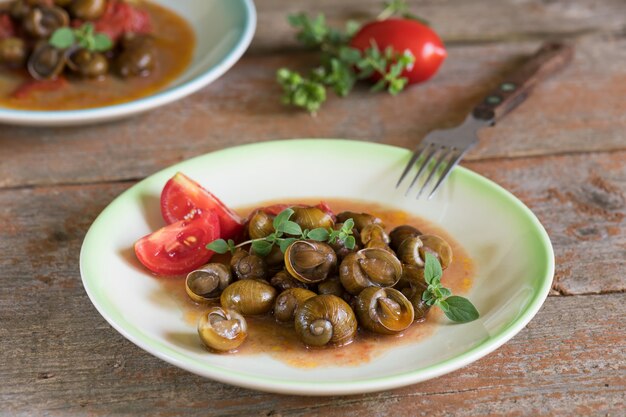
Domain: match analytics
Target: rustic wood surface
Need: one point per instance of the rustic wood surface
(563, 153)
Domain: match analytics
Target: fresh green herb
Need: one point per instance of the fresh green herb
(84, 36)
(341, 65)
(388, 64)
(456, 308)
(300, 91)
(285, 233)
(399, 8)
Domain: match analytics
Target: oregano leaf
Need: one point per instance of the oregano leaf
(218, 246)
(262, 247)
(62, 38)
(432, 269)
(460, 309)
(320, 234)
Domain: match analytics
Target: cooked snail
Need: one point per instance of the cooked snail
(248, 266)
(260, 225)
(360, 219)
(88, 9)
(310, 261)
(414, 294)
(222, 329)
(374, 232)
(369, 267)
(409, 251)
(138, 57)
(207, 282)
(325, 320)
(249, 297)
(400, 233)
(411, 275)
(331, 286)
(46, 61)
(288, 301)
(438, 247)
(88, 64)
(283, 281)
(41, 21)
(384, 310)
(311, 218)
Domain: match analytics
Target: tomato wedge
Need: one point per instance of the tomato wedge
(180, 247)
(182, 195)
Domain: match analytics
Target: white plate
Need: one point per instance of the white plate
(223, 28)
(511, 250)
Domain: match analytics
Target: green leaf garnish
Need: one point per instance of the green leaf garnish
(456, 308)
(102, 42)
(83, 36)
(262, 247)
(350, 242)
(282, 225)
(284, 243)
(291, 228)
(282, 217)
(320, 234)
(62, 38)
(432, 269)
(460, 309)
(341, 65)
(218, 246)
(399, 8)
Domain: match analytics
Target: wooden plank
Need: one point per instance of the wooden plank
(60, 357)
(456, 21)
(580, 199)
(580, 110)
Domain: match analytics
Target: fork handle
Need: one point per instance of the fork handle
(550, 58)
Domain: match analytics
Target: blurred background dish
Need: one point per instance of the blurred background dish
(62, 65)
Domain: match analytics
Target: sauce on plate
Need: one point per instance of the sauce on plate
(266, 336)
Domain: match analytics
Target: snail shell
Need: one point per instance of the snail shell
(384, 310)
(309, 261)
(325, 320)
(369, 267)
(288, 301)
(249, 297)
(207, 282)
(438, 247)
(222, 329)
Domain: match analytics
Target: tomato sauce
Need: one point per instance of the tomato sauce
(175, 43)
(266, 336)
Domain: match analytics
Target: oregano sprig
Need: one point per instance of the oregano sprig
(84, 36)
(456, 308)
(341, 65)
(285, 233)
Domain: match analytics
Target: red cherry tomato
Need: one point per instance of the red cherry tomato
(180, 247)
(182, 195)
(402, 35)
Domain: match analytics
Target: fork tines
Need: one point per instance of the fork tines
(433, 160)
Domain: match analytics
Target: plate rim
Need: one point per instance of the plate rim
(160, 98)
(321, 388)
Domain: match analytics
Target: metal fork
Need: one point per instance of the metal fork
(441, 150)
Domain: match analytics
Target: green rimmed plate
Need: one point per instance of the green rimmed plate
(511, 250)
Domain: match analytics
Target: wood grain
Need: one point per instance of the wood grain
(582, 109)
(457, 21)
(59, 357)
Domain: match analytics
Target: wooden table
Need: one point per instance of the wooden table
(563, 153)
